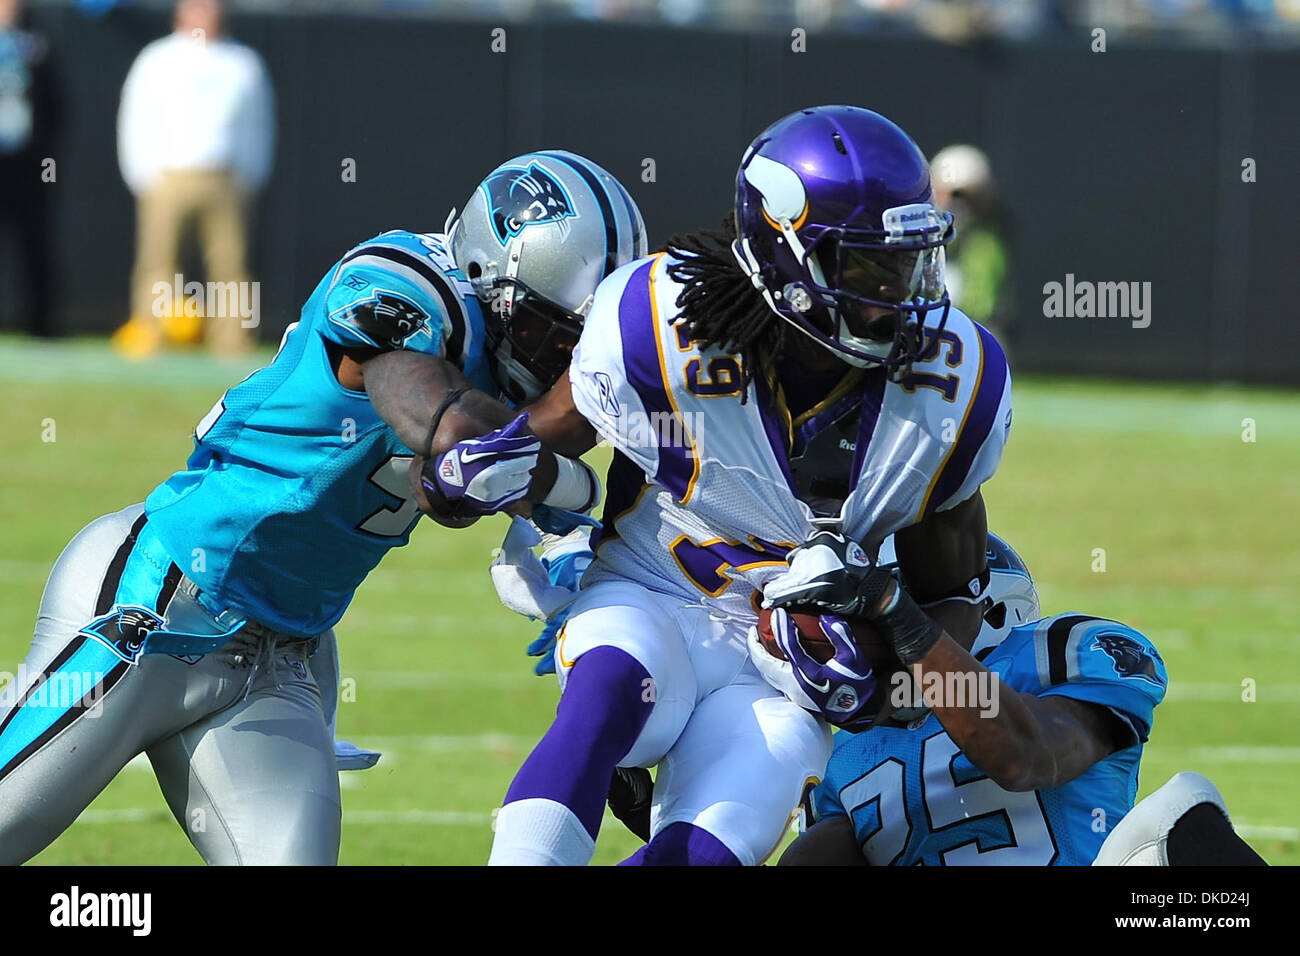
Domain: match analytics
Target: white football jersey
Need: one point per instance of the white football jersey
(702, 501)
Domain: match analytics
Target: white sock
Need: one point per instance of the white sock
(538, 832)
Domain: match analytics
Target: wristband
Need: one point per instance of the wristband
(447, 401)
(910, 630)
(576, 486)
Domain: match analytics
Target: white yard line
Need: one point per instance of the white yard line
(445, 743)
(1258, 755)
(1265, 693)
(1250, 831)
(415, 680)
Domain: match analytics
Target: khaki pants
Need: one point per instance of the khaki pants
(213, 202)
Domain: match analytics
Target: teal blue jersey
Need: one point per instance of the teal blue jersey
(915, 799)
(296, 487)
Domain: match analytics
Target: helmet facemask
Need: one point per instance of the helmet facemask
(866, 294)
(530, 339)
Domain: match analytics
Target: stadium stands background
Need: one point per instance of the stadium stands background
(1117, 166)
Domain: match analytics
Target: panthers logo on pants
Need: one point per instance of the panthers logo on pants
(124, 630)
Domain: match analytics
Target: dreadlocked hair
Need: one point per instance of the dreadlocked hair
(719, 305)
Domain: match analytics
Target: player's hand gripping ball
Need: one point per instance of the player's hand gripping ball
(828, 573)
(815, 660)
(832, 574)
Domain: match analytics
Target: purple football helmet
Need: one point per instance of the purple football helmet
(836, 228)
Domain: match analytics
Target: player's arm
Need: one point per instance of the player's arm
(1023, 742)
(406, 388)
(940, 557)
(432, 406)
(555, 419)
(498, 455)
(829, 842)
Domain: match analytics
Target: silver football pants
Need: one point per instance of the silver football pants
(238, 738)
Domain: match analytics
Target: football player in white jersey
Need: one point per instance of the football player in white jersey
(1002, 772)
(809, 365)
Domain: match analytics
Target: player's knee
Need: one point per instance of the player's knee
(305, 831)
(744, 795)
(1140, 838)
(605, 697)
(649, 673)
(608, 679)
(684, 844)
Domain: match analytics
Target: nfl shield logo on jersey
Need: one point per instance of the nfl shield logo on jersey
(843, 701)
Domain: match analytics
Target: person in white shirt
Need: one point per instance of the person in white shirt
(196, 139)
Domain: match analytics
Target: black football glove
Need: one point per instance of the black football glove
(631, 790)
(832, 574)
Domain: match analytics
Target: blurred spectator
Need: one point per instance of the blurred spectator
(977, 258)
(29, 123)
(196, 137)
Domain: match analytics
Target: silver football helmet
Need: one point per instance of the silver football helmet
(535, 239)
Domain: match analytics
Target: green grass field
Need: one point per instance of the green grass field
(1197, 528)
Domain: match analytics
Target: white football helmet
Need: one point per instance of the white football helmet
(535, 239)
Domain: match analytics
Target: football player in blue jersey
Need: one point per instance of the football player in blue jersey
(184, 628)
(1029, 763)
(1042, 771)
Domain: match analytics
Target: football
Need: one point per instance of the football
(877, 650)
(884, 662)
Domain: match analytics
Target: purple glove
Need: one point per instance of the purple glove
(481, 476)
(838, 690)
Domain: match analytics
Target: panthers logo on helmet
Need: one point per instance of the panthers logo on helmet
(1131, 658)
(123, 630)
(524, 197)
